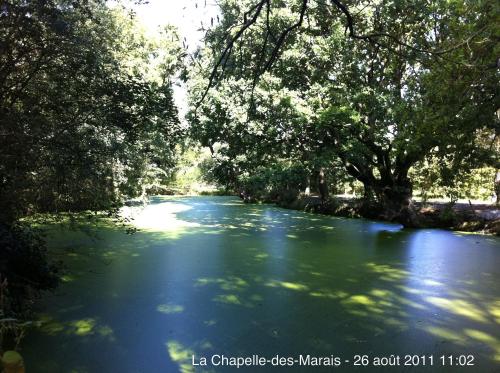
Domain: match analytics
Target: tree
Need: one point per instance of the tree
(379, 104)
(87, 119)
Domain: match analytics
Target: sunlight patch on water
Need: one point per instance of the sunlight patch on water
(158, 217)
(81, 328)
(430, 282)
(446, 334)
(360, 299)
(84, 327)
(485, 338)
(288, 285)
(228, 299)
(180, 355)
(459, 307)
(494, 310)
(231, 283)
(329, 294)
(170, 308)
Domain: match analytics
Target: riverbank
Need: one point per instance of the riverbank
(465, 217)
(479, 218)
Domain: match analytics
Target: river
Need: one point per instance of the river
(209, 276)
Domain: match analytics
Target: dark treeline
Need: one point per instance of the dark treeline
(86, 119)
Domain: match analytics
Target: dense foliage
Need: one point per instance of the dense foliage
(410, 84)
(87, 118)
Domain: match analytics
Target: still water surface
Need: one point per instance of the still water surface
(210, 275)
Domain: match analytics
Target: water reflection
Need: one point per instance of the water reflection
(212, 275)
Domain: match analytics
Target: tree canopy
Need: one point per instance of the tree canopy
(87, 118)
(86, 106)
(375, 87)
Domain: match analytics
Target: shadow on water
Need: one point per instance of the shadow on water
(210, 275)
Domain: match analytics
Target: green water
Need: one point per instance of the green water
(210, 275)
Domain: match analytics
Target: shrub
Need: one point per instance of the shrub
(25, 266)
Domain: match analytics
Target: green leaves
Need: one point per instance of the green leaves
(86, 107)
(423, 78)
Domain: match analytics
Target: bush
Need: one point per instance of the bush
(276, 183)
(448, 217)
(25, 265)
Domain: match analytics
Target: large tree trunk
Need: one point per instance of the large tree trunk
(497, 186)
(392, 187)
(388, 197)
(389, 201)
(395, 201)
(322, 184)
(368, 193)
